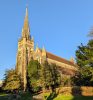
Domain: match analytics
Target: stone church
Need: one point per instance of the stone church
(26, 53)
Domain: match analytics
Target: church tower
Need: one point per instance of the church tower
(25, 52)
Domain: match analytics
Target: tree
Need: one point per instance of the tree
(11, 80)
(67, 81)
(49, 75)
(44, 79)
(84, 59)
(55, 74)
(33, 74)
(90, 34)
(42, 76)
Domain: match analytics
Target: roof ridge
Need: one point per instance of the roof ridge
(56, 55)
(60, 57)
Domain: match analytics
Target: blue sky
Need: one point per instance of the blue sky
(58, 25)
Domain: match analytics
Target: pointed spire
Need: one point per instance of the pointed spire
(25, 30)
(19, 37)
(32, 38)
(72, 59)
(43, 51)
(43, 48)
(37, 48)
(37, 44)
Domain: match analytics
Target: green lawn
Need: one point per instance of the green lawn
(61, 97)
(47, 96)
(2, 94)
(24, 96)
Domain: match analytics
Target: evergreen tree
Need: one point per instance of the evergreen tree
(55, 74)
(33, 74)
(49, 75)
(44, 79)
(84, 58)
(11, 80)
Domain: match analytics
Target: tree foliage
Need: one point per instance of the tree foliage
(33, 74)
(90, 34)
(42, 76)
(84, 58)
(55, 74)
(49, 75)
(11, 80)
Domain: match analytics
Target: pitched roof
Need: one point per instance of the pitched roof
(57, 58)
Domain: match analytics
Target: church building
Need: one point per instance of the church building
(26, 53)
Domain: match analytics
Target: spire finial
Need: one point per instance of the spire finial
(19, 38)
(72, 59)
(43, 52)
(43, 48)
(37, 44)
(32, 37)
(26, 5)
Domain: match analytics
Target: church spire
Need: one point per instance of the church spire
(25, 30)
(72, 59)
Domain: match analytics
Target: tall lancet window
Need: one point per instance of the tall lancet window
(26, 54)
(27, 62)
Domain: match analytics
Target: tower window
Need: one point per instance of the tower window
(31, 58)
(26, 51)
(27, 62)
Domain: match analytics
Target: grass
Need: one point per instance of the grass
(61, 97)
(3, 94)
(24, 96)
(27, 96)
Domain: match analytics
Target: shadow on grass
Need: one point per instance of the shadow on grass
(51, 97)
(27, 95)
(76, 94)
